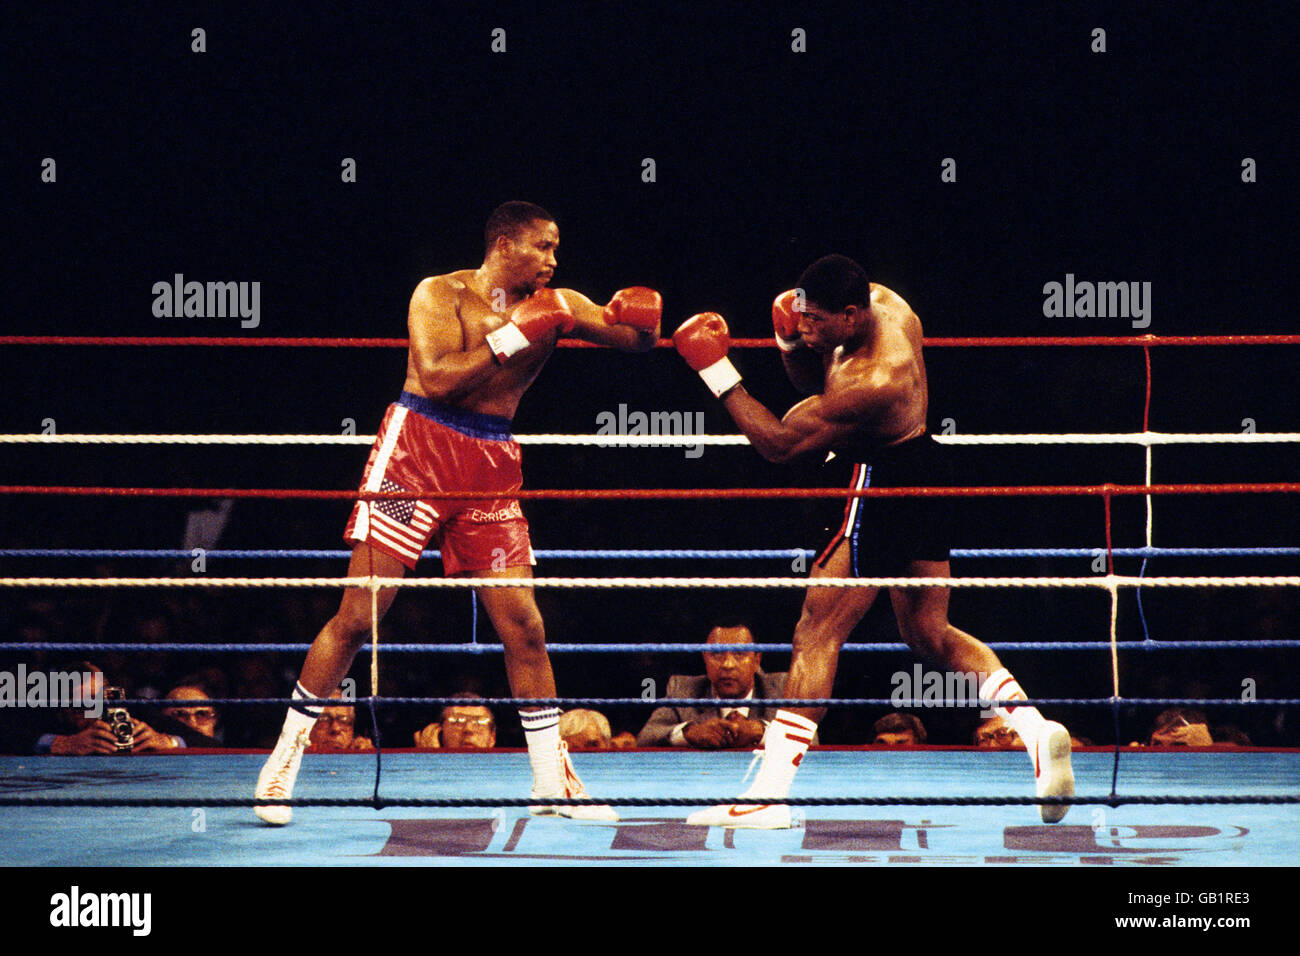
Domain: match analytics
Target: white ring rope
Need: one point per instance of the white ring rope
(1150, 507)
(1124, 438)
(672, 441)
(1107, 582)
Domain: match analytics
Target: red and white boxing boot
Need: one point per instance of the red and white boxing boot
(276, 780)
(784, 745)
(571, 788)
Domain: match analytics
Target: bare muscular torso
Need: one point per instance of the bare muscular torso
(886, 362)
(469, 309)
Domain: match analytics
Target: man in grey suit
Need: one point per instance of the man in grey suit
(737, 680)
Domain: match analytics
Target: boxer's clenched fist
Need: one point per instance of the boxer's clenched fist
(786, 309)
(542, 311)
(703, 340)
(638, 307)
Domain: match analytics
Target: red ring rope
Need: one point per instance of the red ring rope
(989, 491)
(987, 341)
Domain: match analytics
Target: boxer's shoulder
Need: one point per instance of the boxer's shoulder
(453, 296)
(889, 303)
(455, 285)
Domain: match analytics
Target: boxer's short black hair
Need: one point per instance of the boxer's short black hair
(508, 218)
(835, 283)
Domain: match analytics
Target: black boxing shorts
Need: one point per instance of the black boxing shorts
(886, 534)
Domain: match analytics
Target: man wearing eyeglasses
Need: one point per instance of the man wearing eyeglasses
(468, 728)
(335, 729)
(73, 732)
(996, 734)
(201, 718)
(460, 726)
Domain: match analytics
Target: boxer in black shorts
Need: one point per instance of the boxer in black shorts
(885, 534)
(854, 348)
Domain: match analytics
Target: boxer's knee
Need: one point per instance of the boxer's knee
(818, 611)
(816, 635)
(521, 629)
(927, 634)
(352, 622)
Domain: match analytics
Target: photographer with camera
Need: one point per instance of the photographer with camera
(116, 731)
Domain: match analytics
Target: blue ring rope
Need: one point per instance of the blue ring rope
(1146, 553)
(652, 648)
(1137, 592)
(911, 704)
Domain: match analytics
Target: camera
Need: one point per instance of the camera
(118, 720)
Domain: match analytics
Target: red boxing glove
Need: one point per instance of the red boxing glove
(703, 340)
(786, 309)
(638, 307)
(542, 311)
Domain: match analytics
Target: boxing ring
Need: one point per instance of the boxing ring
(891, 833)
(927, 806)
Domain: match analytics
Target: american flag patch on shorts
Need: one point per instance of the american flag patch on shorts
(403, 524)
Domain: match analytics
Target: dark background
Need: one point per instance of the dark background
(1122, 166)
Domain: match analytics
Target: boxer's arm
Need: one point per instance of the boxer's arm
(806, 370)
(590, 326)
(446, 371)
(816, 424)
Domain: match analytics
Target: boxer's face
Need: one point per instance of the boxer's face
(823, 330)
(530, 256)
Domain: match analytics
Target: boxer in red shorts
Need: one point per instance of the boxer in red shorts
(478, 339)
(424, 447)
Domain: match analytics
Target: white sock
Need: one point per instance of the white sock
(300, 716)
(1026, 721)
(542, 731)
(784, 744)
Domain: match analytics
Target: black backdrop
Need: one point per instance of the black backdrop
(225, 165)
